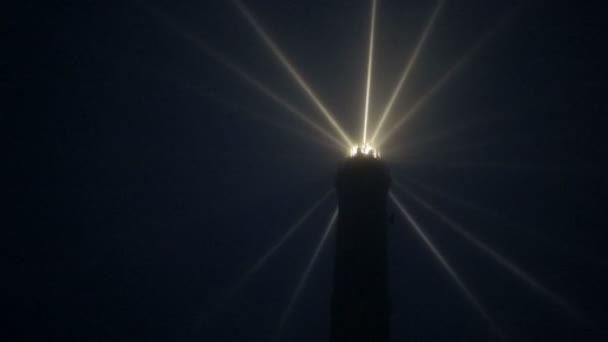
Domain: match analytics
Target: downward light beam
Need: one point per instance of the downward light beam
(306, 273)
(444, 263)
(498, 258)
(291, 69)
(280, 242)
(220, 303)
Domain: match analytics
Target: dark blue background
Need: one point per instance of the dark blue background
(144, 178)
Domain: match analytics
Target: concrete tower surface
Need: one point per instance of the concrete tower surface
(360, 307)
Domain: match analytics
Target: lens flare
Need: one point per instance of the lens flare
(407, 70)
(369, 70)
(291, 69)
(306, 273)
(448, 268)
(498, 258)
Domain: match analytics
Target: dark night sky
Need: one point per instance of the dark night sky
(144, 178)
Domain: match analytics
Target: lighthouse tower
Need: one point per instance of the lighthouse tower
(360, 306)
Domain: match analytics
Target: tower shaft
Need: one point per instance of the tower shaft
(360, 307)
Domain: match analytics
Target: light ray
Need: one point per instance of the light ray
(369, 70)
(448, 268)
(407, 70)
(462, 61)
(221, 58)
(415, 146)
(498, 258)
(330, 141)
(276, 98)
(469, 164)
(529, 231)
(471, 205)
(291, 69)
(280, 242)
(451, 197)
(306, 273)
(260, 262)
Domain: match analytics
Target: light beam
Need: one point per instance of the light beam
(221, 58)
(279, 100)
(417, 146)
(369, 70)
(280, 242)
(444, 263)
(259, 263)
(529, 231)
(407, 69)
(471, 205)
(306, 273)
(291, 69)
(498, 258)
(328, 141)
(462, 61)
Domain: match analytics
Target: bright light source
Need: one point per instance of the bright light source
(366, 150)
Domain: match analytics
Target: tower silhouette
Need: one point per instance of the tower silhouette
(360, 306)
